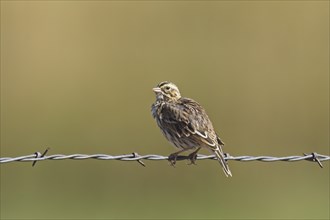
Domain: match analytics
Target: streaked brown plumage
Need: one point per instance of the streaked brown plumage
(185, 124)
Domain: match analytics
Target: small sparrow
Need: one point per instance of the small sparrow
(185, 124)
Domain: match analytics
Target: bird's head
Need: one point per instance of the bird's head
(167, 91)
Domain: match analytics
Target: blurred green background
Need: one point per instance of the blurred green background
(77, 76)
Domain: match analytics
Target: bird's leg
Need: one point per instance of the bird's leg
(172, 157)
(193, 156)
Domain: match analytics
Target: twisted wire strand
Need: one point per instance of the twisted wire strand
(314, 157)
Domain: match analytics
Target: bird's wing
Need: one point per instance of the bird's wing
(187, 117)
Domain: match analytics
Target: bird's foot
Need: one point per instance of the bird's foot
(192, 157)
(172, 159)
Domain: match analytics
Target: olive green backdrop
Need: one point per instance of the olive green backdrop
(77, 77)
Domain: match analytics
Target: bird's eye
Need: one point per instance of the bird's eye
(167, 88)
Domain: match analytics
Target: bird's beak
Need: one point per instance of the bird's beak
(157, 90)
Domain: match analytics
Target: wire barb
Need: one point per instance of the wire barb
(139, 161)
(315, 158)
(39, 155)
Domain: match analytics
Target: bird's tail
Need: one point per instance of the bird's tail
(221, 158)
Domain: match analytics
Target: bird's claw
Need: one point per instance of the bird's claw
(192, 157)
(172, 159)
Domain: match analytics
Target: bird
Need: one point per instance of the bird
(185, 124)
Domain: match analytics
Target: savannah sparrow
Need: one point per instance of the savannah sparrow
(185, 124)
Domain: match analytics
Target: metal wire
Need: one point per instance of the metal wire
(314, 157)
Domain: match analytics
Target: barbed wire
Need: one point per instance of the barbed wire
(314, 157)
